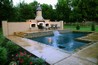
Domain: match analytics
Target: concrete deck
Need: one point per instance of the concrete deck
(93, 37)
(54, 56)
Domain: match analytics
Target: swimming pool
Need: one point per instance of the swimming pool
(64, 41)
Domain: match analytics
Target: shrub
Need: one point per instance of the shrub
(12, 48)
(38, 61)
(93, 27)
(78, 27)
(3, 55)
(1, 38)
(4, 42)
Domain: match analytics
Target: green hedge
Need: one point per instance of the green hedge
(3, 55)
(11, 47)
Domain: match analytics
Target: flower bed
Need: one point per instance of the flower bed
(11, 54)
(23, 58)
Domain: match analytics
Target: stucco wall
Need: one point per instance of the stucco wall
(17, 27)
(10, 27)
(58, 23)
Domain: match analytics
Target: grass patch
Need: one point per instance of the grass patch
(82, 28)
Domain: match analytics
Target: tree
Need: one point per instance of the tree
(85, 9)
(6, 10)
(33, 7)
(63, 10)
(48, 12)
(77, 11)
(25, 12)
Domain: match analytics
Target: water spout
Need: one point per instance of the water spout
(55, 38)
(56, 33)
(71, 44)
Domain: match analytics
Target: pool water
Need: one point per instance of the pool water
(64, 41)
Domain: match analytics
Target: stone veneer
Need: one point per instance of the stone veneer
(43, 33)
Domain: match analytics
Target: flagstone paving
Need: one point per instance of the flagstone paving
(54, 56)
(89, 53)
(74, 61)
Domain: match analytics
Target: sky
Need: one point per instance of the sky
(52, 2)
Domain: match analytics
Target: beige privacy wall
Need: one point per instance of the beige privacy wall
(59, 24)
(17, 27)
(10, 27)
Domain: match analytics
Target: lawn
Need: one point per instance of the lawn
(82, 28)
